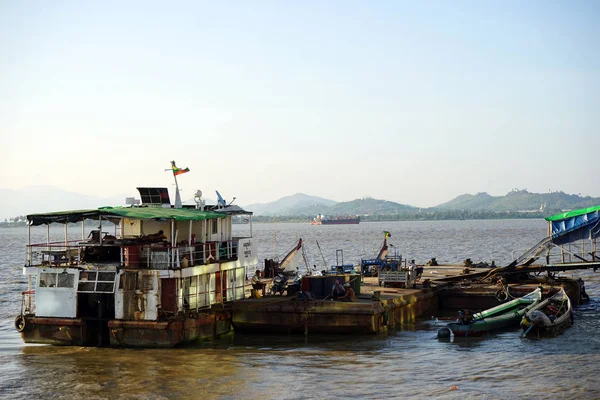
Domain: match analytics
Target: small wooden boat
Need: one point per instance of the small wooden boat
(505, 315)
(549, 317)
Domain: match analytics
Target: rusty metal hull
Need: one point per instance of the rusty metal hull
(56, 331)
(313, 317)
(330, 317)
(193, 327)
(78, 332)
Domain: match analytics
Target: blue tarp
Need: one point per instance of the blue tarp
(583, 226)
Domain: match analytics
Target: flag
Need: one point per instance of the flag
(387, 234)
(178, 171)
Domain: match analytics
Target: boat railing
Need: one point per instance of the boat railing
(54, 253)
(149, 255)
(158, 256)
(572, 252)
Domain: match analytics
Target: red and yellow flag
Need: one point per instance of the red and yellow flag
(178, 171)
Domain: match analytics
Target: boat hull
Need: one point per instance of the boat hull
(550, 327)
(120, 333)
(341, 222)
(483, 327)
(507, 315)
(56, 331)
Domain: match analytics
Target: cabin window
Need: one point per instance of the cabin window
(66, 280)
(96, 282)
(53, 279)
(47, 279)
(215, 226)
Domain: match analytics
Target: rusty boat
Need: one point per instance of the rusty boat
(152, 275)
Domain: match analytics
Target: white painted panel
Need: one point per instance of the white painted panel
(152, 300)
(52, 300)
(247, 256)
(212, 289)
(119, 306)
(204, 290)
(240, 277)
(145, 297)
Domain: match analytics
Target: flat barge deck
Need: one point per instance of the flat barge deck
(378, 308)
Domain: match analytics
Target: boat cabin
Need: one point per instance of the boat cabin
(145, 262)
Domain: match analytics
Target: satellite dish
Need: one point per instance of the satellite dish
(198, 193)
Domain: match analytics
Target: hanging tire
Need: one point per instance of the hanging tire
(501, 295)
(20, 323)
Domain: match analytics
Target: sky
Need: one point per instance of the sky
(413, 102)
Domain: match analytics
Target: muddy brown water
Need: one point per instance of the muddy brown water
(408, 363)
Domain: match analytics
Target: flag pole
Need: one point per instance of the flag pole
(177, 196)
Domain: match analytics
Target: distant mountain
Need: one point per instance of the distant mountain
(304, 205)
(296, 204)
(521, 200)
(39, 199)
(369, 205)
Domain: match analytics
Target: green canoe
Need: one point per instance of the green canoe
(505, 315)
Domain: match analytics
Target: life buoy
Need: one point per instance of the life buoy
(20, 323)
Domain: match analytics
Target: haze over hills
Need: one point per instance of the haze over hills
(296, 204)
(39, 199)
(515, 201)
(47, 198)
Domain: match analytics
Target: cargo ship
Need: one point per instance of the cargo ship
(339, 220)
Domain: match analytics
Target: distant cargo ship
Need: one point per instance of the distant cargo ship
(340, 220)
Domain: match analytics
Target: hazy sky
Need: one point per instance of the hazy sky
(403, 101)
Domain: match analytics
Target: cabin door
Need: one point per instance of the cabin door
(168, 295)
(95, 310)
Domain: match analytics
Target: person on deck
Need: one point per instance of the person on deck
(257, 285)
(159, 236)
(337, 290)
(349, 295)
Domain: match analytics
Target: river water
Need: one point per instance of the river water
(407, 363)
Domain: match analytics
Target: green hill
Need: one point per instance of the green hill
(369, 205)
(520, 200)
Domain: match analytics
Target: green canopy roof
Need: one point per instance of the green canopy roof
(158, 213)
(154, 213)
(571, 214)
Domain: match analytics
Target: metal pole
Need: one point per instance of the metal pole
(191, 249)
(47, 241)
(172, 241)
(28, 244)
(177, 195)
(319, 246)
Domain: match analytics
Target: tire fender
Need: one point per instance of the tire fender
(20, 323)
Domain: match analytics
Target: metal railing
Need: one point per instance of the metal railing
(573, 252)
(154, 256)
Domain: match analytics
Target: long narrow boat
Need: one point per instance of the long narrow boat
(502, 316)
(548, 317)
